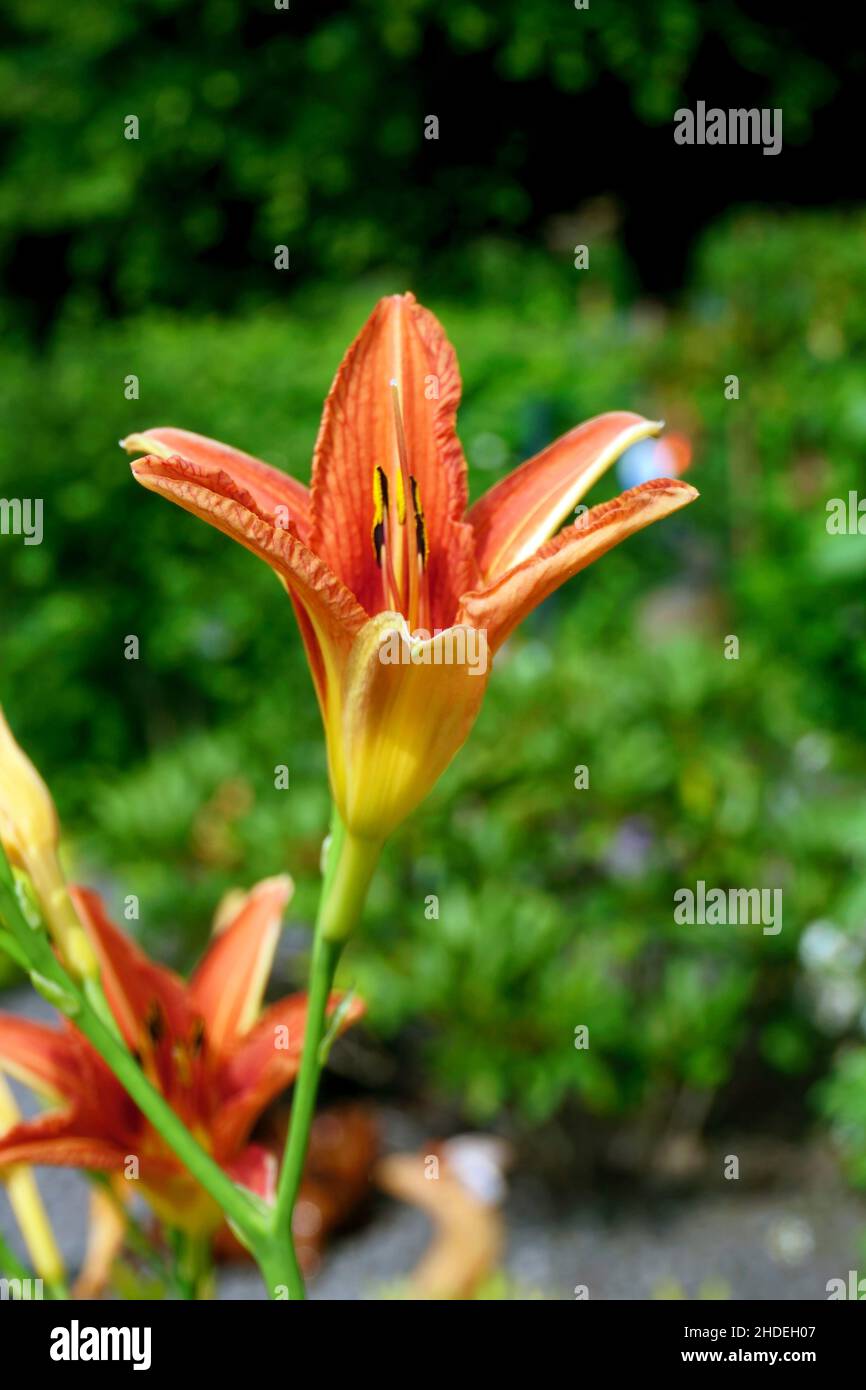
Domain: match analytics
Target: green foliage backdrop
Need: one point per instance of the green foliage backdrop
(555, 904)
(155, 258)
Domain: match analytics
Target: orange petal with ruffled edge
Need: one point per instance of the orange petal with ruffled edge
(518, 514)
(329, 614)
(278, 496)
(401, 342)
(500, 606)
(228, 986)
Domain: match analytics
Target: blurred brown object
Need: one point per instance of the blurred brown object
(460, 1185)
(344, 1144)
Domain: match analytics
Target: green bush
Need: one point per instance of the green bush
(304, 127)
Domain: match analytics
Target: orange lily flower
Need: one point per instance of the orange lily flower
(392, 580)
(205, 1045)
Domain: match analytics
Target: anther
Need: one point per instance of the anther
(380, 512)
(155, 1022)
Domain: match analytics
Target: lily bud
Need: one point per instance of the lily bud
(28, 819)
(30, 833)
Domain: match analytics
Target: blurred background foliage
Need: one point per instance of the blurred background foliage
(303, 127)
(555, 905)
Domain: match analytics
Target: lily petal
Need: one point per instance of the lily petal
(401, 342)
(407, 705)
(54, 1064)
(131, 980)
(269, 486)
(500, 606)
(328, 613)
(228, 986)
(264, 1064)
(519, 513)
(60, 1139)
(256, 1169)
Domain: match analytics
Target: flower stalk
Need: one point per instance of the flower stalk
(348, 870)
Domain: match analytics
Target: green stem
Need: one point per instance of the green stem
(322, 968)
(348, 871)
(193, 1265)
(350, 867)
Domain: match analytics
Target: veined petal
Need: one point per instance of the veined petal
(517, 515)
(268, 486)
(407, 703)
(264, 1064)
(131, 980)
(329, 614)
(228, 986)
(401, 342)
(53, 1064)
(503, 604)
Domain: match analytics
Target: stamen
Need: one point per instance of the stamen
(420, 524)
(380, 511)
(381, 548)
(424, 600)
(407, 564)
(420, 559)
(155, 1022)
(401, 550)
(182, 1061)
(150, 1044)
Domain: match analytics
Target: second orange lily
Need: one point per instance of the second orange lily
(381, 549)
(207, 1046)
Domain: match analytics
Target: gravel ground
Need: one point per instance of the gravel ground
(752, 1248)
(738, 1244)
